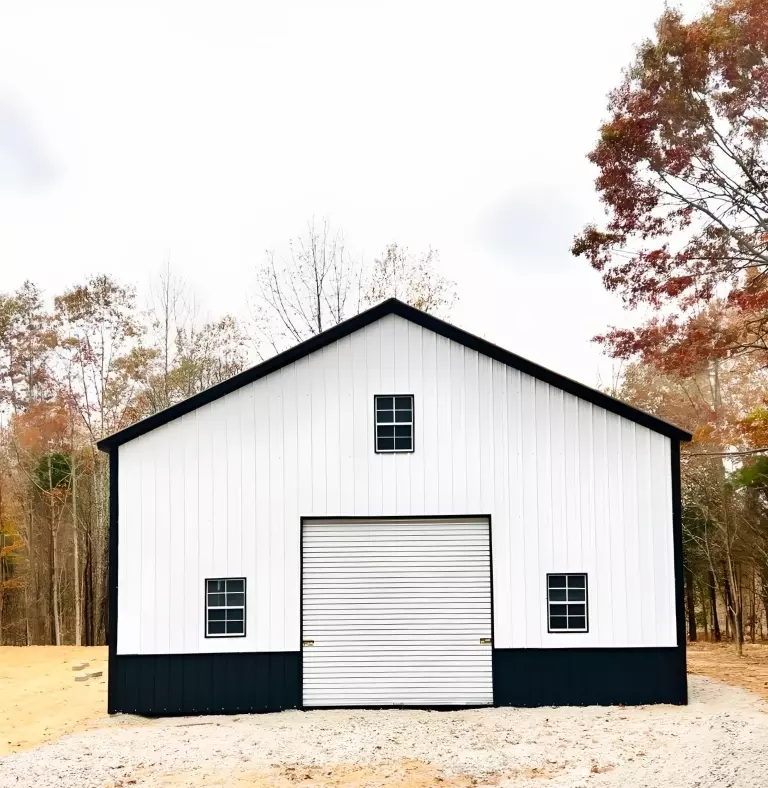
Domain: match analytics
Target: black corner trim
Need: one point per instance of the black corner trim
(393, 306)
(112, 579)
(677, 542)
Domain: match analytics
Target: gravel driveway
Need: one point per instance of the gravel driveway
(720, 739)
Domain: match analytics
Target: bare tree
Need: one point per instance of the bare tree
(412, 278)
(169, 314)
(317, 285)
(320, 283)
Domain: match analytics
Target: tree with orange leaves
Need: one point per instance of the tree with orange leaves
(683, 175)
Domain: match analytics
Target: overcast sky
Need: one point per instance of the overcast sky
(129, 131)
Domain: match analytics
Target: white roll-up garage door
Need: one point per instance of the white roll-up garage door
(396, 612)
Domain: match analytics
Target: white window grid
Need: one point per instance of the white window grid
(396, 423)
(575, 601)
(237, 587)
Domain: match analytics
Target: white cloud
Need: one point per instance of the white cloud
(216, 130)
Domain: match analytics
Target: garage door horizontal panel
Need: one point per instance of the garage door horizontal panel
(445, 572)
(353, 652)
(407, 558)
(400, 694)
(475, 588)
(442, 584)
(367, 538)
(409, 527)
(450, 687)
(406, 530)
(352, 625)
(363, 593)
(386, 670)
(373, 566)
(479, 623)
(390, 551)
(352, 663)
(384, 616)
(410, 674)
(373, 701)
(377, 639)
(416, 675)
(343, 539)
(396, 606)
(358, 594)
(395, 612)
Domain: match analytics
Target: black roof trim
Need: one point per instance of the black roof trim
(393, 307)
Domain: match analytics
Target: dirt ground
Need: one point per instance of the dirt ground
(40, 701)
(720, 661)
(398, 774)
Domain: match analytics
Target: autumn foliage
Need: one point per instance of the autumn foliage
(683, 176)
(682, 164)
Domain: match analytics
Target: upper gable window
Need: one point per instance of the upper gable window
(394, 422)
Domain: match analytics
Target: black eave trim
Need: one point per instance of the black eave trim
(389, 307)
(112, 699)
(677, 542)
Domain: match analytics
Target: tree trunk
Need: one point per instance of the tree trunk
(2, 564)
(713, 606)
(734, 615)
(88, 595)
(765, 605)
(690, 604)
(753, 608)
(28, 630)
(2, 575)
(703, 598)
(54, 558)
(76, 549)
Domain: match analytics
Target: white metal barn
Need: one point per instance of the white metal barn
(395, 513)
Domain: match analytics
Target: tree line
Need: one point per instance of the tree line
(93, 359)
(683, 176)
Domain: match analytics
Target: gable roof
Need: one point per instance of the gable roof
(393, 307)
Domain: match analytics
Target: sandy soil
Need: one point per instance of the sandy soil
(40, 699)
(40, 702)
(718, 740)
(720, 661)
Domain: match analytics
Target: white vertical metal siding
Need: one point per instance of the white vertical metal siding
(394, 612)
(220, 492)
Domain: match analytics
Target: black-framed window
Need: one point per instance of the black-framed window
(225, 607)
(567, 605)
(393, 422)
